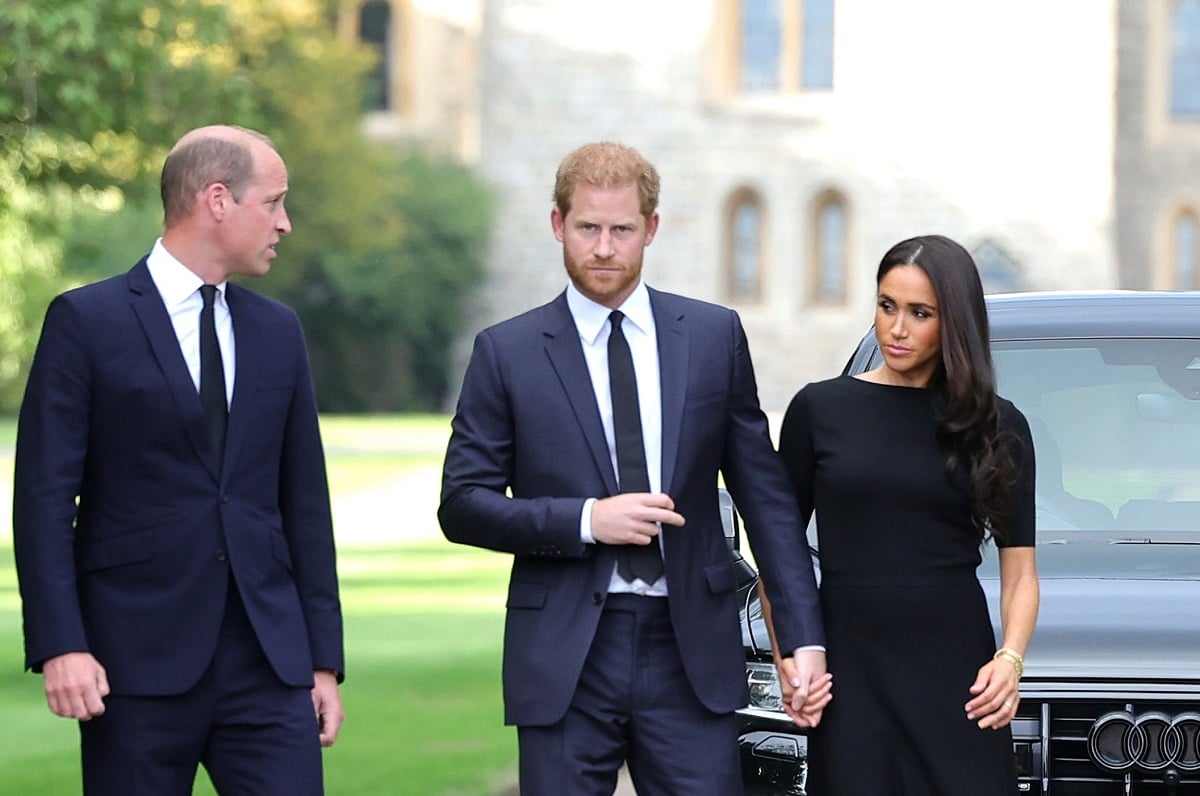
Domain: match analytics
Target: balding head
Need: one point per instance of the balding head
(215, 154)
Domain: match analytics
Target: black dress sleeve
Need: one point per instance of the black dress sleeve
(796, 448)
(1016, 435)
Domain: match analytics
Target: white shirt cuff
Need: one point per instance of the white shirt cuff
(585, 522)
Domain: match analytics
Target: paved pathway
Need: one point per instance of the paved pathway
(401, 510)
(405, 510)
(624, 787)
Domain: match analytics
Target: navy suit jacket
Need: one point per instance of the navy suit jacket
(527, 421)
(137, 571)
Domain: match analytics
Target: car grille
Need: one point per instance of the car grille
(1070, 748)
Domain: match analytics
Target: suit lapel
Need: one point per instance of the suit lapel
(248, 336)
(156, 324)
(566, 357)
(673, 344)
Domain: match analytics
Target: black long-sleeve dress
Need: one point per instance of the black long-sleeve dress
(907, 625)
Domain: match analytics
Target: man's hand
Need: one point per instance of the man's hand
(76, 685)
(632, 518)
(806, 687)
(327, 704)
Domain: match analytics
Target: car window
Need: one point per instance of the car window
(1116, 427)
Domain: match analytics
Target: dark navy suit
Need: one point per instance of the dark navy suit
(527, 421)
(138, 573)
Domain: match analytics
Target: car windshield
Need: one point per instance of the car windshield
(1116, 426)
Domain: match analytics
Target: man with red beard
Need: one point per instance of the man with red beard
(587, 443)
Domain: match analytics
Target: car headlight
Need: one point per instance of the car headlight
(763, 682)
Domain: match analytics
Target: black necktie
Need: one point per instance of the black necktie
(633, 561)
(212, 375)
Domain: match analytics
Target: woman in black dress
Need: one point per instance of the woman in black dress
(910, 469)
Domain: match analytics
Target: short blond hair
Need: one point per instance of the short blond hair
(606, 164)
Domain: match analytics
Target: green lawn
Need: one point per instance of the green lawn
(423, 635)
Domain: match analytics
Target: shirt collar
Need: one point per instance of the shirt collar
(176, 282)
(591, 318)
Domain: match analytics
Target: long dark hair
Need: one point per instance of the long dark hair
(969, 430)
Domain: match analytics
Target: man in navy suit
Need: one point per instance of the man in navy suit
(603, 665)
(178, 582)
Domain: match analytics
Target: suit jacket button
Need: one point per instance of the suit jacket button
(221, 557)
(597, 598)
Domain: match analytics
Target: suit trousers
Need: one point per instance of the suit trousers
(633, 705)
(252, 733)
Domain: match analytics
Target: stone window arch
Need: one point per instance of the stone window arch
(999, 271)
(1185, 251)
(744, 232)
(782, 46)
(829, 225)
(375, 30)
(1185, 59)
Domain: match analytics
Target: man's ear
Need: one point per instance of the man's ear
(651, 227)
(558, 222)
(217, 198)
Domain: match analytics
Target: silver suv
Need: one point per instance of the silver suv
(1110, 384)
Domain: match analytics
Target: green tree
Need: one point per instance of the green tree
(401, 306)
(388, 240)
(90, 96)
(28, 280)
(92, 90)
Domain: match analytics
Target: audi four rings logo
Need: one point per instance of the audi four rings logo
(1119, 741)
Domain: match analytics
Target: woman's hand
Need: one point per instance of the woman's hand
(996, 694)
(820, 692)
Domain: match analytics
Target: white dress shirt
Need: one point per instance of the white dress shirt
(591, 320)
(180, 290)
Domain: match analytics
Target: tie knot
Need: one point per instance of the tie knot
(209, 294)
(616, 316)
